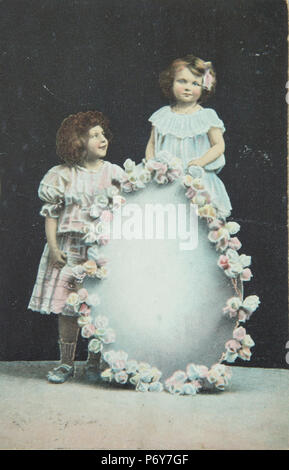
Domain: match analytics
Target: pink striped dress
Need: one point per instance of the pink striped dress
(68, 194)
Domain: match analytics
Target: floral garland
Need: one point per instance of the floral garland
(163, 170)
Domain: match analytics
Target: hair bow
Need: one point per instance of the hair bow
(208, 80)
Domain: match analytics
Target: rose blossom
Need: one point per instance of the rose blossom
(247, 341)
(94, 211)
(87, 331)
(207, 211)
(84, 309)
(190, 193)
(82, 294)
(107, 375)
(129, 165)
(197, 183)
(95, 346)
(90, 267)
(234, 243)
(83, 320)
(232, 346)
(161, 178)
(187, 180)
(251, 303)
(112, 191)
(246, 274)
(232, 227)
(101, 321)
(245, 354)
(73, 301)
(223, 262)
(239, 333)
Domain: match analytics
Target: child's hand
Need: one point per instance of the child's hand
(57, 257)
(196, 162)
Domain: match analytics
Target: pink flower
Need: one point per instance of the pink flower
(239, 333)
(106, 216)
(215, 224)
(173, 174)
(109, 336)
(246, 274)
(235, 243)
(190, 193)
(223, 262)
(87, 331)
(245, 353)
(84, 309)
(161, 178)
(233, 345)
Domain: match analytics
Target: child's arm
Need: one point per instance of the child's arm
(217, 148)
(150, 148)
(57, 256)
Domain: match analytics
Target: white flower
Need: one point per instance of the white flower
(145, 176)
(232, 227)
(142, 387)
(245, 260)
(112, 191)
(199, 200)
(83, 320)
(102, 201)
(251, 303)
(187, 181)
(93, 300)
(230, 357)
(94, 211)
(101, 321)
(175, 163)
(188, 389)
(107, 375)
(247, 341)
(134, 380)
(73, 301)
(95, 346)
(156, 387)
(220, 369)
(129, 165)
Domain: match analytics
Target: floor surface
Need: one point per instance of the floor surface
(252, 414)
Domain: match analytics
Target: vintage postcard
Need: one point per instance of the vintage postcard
(144, 227)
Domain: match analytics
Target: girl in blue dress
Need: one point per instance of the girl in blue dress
(186, 130)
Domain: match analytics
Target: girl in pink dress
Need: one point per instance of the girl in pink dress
(70, 193)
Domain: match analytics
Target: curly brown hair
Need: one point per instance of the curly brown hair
(196, 65)
(71, 137)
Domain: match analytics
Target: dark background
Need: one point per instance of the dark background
(61, 57)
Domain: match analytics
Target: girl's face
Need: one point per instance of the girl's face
(97, 143)
(187, 87)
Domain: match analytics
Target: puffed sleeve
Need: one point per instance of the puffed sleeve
(51, 191)
(214, 120)
(118, 174)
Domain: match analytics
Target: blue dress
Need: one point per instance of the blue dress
(186, 136)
